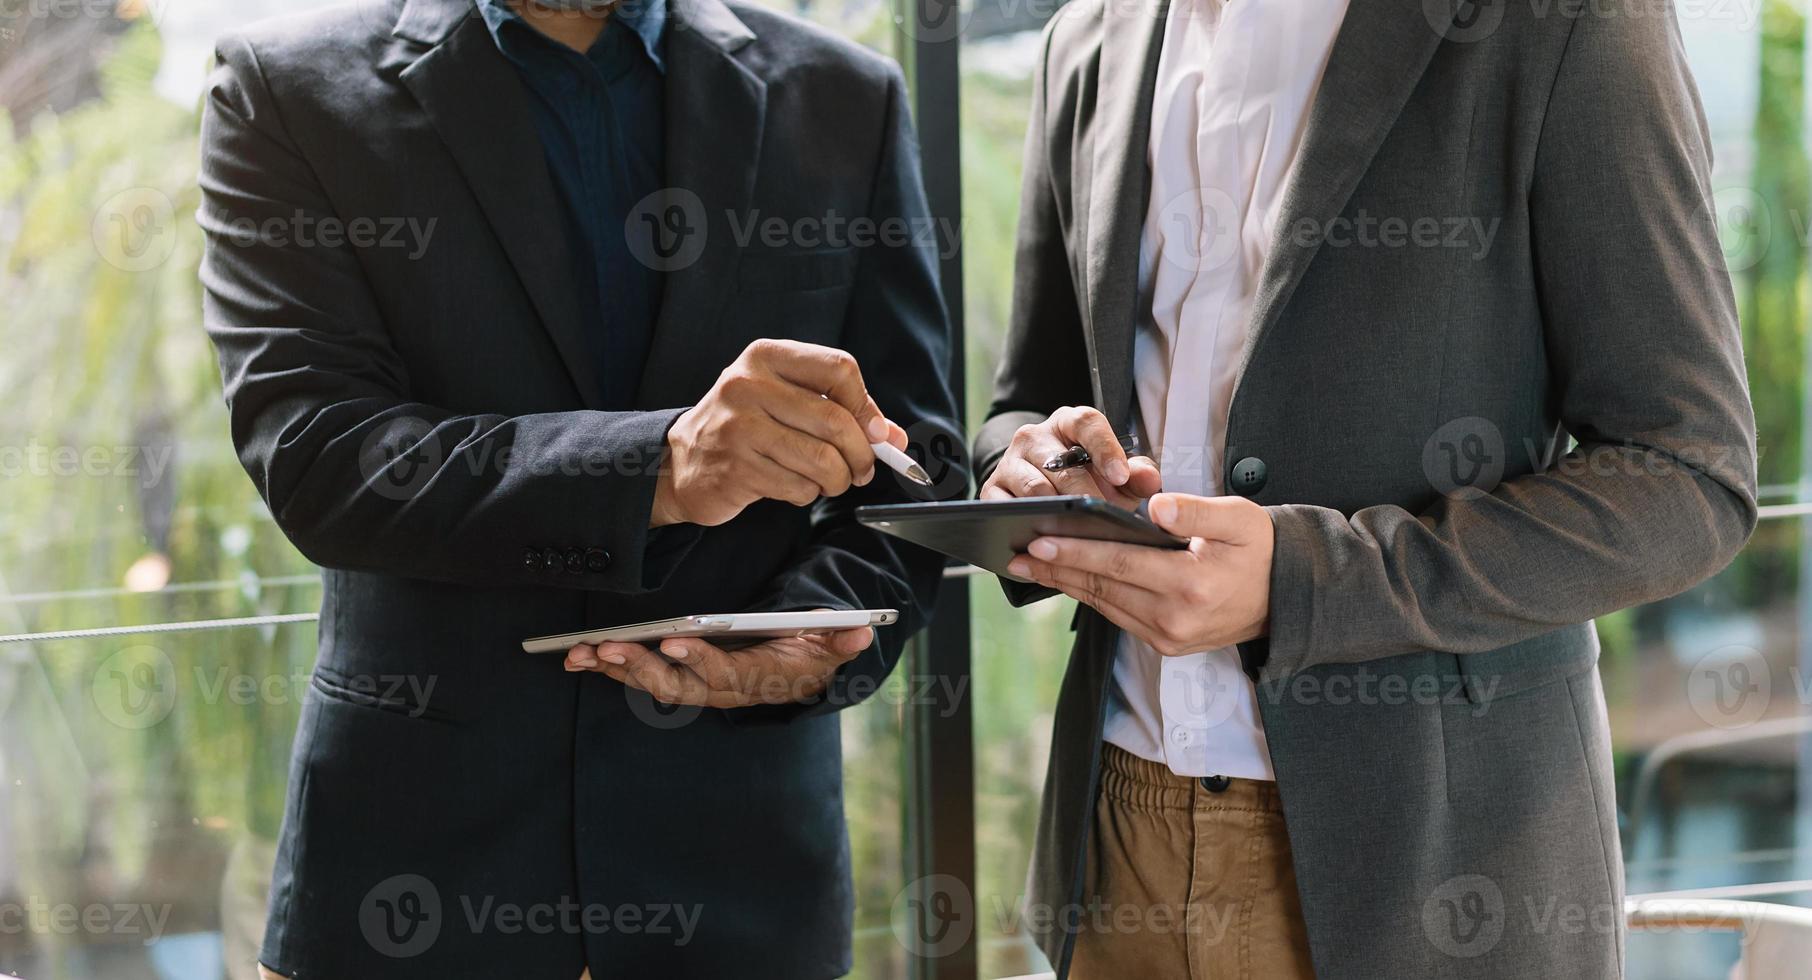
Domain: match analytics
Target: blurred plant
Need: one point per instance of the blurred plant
(118, 476)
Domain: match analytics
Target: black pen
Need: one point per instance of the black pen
(1077, 456)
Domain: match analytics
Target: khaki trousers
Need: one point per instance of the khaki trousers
(1188, 879)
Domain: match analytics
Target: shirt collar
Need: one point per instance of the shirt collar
(647, 18)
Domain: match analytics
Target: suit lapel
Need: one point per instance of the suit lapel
(1119, 181)
(471, 94)
(715, 112)
(1381, 52)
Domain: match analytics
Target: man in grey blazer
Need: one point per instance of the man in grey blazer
(1466, 375)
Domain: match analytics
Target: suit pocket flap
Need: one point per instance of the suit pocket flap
(1530, 664)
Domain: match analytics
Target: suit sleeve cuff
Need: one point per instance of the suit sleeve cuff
(1287, 650)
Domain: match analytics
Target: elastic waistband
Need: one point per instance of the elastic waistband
(1137, 782)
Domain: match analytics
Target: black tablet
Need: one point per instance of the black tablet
(989, 533)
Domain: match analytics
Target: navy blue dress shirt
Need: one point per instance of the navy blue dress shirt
(601, 116)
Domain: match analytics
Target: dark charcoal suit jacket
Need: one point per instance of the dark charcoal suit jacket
(1406, 410)
(425, 427)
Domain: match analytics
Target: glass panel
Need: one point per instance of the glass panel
(147, 772)
(1019, 654)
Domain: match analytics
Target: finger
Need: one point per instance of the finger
(813, 459)
(896, 436)
(588, 657)
(1121, 616)
(822, 419)
(776, 482)
(1019, 478)
(876, 427)
(1147, 568)
(1191, 516)
(1077, 480)
(714, 666)
(1145, 479)
(826, 371)
(845, 644)
(664, 680)
(1115, 614)
(1134, 599)
(1089, 429)
(581, 657)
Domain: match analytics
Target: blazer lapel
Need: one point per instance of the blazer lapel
(1381, 52)
(1119, 181)
(715, 110)
(471, 94)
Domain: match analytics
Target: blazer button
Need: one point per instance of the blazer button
(1248, 476)
(575, 560)
(550, 560)
(596, 559)
(531, 558)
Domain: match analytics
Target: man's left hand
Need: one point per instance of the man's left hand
(1215, 594)
(690, 670)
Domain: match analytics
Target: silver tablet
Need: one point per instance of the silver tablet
(720, 626)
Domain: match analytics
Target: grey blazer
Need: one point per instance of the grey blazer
(1405, 410)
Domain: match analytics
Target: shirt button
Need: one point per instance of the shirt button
(1248, 476)
(1182, 736)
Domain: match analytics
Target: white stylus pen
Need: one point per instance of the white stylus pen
(900, 463)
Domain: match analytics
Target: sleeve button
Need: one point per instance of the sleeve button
(531, 558)
(550, 560)
(596, 559)
(575, 561)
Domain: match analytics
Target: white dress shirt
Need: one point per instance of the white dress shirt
(1234, 86)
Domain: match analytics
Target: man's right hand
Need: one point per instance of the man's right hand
(1110, 474)
(787, 421)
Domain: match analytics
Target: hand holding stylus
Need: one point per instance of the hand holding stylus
(1090, 459)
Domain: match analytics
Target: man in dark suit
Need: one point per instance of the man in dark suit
(1419, 308)
(591, 396)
